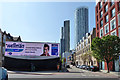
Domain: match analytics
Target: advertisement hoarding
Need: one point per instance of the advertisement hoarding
(31, 49)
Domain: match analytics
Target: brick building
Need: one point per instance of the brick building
(107, 14)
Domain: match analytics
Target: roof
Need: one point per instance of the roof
(17, 38)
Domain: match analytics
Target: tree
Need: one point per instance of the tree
(89, 55)
(86, 57)
(106, 49)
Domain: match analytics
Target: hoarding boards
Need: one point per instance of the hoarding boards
(31, 49)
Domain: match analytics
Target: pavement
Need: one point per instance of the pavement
(101, 71)
(71, 70)
(34, 73)
(38, 72)
(111, 72)
(73, 73)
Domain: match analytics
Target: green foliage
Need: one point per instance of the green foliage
(83, 57)
(106, 49)
(86, 57)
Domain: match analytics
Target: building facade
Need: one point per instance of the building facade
(107, 15)
(81, 23)
(84, 48)
(67, 35)
(3, 38)
(73, 57)
(65, 38)
(1, 47)
(62, 42)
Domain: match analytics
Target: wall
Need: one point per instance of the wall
(25, 64)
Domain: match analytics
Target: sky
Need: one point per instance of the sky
(41, 21)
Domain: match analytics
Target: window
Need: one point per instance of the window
(76, 49)
(119, 6)
(101, 14)
(97, 18)
(106, 18)
(100, 3)
(113, 12)
(119, 19)
(86, 41)
(113, 33)
(106, 28)
(113, 24)
(119, 32)
(97, 27)
(97, 34)
(101, 23)
(101, 32)
(106, 8)
(112, 2)
(80, 46)
(94, 62)
(4, 39)
(97, 9)
(83, 44)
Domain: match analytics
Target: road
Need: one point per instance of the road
(73, 73)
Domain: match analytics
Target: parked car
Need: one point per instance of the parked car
(94, 68)
(78, 66)
(87, 67)
(83, 67)
(68, 66)
(3, 74)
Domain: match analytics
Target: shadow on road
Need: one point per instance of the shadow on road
(75, 72)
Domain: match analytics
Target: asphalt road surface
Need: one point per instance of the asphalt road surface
(73, 73)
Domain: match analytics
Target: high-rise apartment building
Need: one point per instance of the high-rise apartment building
(81, 23)
(62, 41)
(65, 37)
(108, 23)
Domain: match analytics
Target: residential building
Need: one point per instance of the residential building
(81, 23)
(73, 57)
(65, 38)
(67, 35)
(107, 15)
(84, 48)
(62, 42)
(1, 47)
(3, 38)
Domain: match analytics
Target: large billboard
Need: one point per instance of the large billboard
(31, 49)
